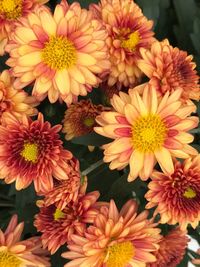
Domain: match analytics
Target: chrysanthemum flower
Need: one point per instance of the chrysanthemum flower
(172, 249)
(147, 129)
(128, 30)
(11, 11)
(16, 253)
(65, 191)
(62, 52)
(177, 196)
(80, 118)
(58, 225)
(16, 102)
(169, 68)
(32, 151)
(116, 239)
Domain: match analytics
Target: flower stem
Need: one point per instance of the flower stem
(92, 167)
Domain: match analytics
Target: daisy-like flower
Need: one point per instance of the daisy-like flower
(16, 253)
(58, 225)
(177, 196)
(147, 129)
(172, 249)
(128, 30)
(60, 52)
(65, 191)
(80, 118)
(16, 102)
(116, 239)
(169, 68)
(11, 12)
(32, 151)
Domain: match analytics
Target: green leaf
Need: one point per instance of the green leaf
(91, 139)
(57, 260)
(126, 190)
(25, 197)
(102, 179)
(85, 3)
(185, 260)
(185, 13)
(150, 9)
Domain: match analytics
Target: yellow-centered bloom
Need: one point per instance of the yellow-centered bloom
(17, 253)
(61, 53)
(181, 187)
(12, 12)
(115, 239)
(128, 31)
(147, 129)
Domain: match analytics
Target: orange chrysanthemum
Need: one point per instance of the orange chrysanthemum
(32, 151)
(116, 239)
(16, 102)
(16, 253)
(172, 249)
(147, 129)
(80, 118)
(65, 191)
(177, 196)
(11, 12)
(58, 225)
(128, 30)
(62, 52)
(169, 68)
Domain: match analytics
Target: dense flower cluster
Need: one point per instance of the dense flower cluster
(148, 122)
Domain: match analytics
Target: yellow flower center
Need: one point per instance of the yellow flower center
(131, 42)
(59, 53)
(89, 122)
(148, 133)
(8, 259)
(58, 214)
(30, 152)
(189, 193)
(120, 254)
(12, 9)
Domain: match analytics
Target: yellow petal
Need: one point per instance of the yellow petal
(63, 81)
(77, 75)
(131, 113)
(48, 23)
(85, 59)
(164, 159)
(136, 163)
(30, 59)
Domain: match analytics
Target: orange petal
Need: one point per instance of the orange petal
(164, 159)
(136, 163)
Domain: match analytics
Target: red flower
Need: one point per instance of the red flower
(32, 151)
